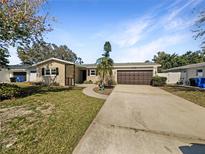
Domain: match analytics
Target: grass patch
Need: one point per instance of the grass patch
(194, 95)
(47, 122)
(106, 91)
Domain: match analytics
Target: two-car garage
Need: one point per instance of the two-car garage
(138, 77)
(136, 73)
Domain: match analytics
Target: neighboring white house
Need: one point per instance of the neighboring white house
(189, 71)
(4, 75)
(23, 73)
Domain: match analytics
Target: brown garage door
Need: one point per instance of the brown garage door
(141, 77)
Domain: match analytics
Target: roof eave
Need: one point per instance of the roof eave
(54, 59)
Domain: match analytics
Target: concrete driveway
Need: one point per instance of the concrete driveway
(145, 120)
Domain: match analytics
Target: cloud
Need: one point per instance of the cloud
(172, 21)
(130, 34)
(175, 19)
(176, 11)
(143, 52)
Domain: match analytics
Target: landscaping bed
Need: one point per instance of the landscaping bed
(194, 95)
(106, 91)
(51, 121)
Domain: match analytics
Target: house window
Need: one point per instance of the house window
(51, 71)
(92, 72)
(33, 71)
(47, 72)
(199, 73)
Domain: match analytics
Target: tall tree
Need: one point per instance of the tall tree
(105, 63)
(39, 52)
(21, 23)
(79, 61)
(193, 57)
(200, 28)
(4, 54)
(107, 49)
(164, 59)
(173, 60)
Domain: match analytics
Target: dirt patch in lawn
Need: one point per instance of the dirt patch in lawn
(106, 91)
(12, 112)
(24, 117)
(46, 109)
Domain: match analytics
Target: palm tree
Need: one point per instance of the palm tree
(105, 63)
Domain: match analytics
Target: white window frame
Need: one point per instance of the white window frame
(199, 74)
(53, 69)
(50, 70)
(91, 72)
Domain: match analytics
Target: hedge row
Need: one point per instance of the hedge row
(9, 91)
(158, 81)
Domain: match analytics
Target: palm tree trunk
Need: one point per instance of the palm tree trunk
(103, 78)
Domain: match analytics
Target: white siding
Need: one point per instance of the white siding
(191, 72)
(32, 77)
(172, 77)
(4, 75)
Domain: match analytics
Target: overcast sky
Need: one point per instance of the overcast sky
(137, 29)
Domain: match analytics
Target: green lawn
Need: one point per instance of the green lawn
(194, 95)
(46, 122)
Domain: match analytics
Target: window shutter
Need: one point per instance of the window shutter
(57, 72)
(43, 71)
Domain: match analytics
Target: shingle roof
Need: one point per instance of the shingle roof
(20, 66)
(186, 67)
(131, 64)
(124, 64)
(54, 59)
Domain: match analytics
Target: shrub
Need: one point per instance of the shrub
(158, 81)
(38, 84)
(88, 82)
(9, 91)
(98, 82)
(54, 84)
(193, 81)
(108, 83)
(111, 82)
(13, 79)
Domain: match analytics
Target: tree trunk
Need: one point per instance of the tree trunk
(103, 78)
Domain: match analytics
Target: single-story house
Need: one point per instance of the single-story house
(189, 71)
(66, 73)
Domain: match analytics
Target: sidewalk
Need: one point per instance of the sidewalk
(89, 91)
